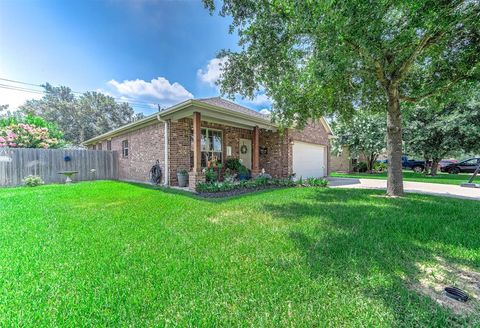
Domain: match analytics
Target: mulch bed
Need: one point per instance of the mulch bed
(236, 192)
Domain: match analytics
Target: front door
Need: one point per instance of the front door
(246, 152)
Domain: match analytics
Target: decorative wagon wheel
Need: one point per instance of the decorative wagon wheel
(243, 149)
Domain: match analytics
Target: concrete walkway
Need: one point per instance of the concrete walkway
(409, 186)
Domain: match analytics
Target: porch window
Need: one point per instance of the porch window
(109, 145)
(211, 146)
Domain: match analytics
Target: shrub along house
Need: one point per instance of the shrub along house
(191, 133)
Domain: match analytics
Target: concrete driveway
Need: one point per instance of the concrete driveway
(415, 187)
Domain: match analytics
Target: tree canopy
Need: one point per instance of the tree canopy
(364, 134)
(319, 57)
(83, 117)
(438, 131)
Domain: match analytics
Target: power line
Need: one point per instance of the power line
(123, 99)
(31, 84)
(15, 88)
(132, 101)
(77, 92)
(12, 87)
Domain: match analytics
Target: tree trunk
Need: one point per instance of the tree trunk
(426, 170)
(82, 135)
(433, 171)
(394, 143)
(369, 163)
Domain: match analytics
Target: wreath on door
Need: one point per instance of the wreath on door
(243, 149)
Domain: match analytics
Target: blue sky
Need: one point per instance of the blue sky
(157, 52)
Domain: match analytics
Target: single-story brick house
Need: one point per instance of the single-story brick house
(187, 135)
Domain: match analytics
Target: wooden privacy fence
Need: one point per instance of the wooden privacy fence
(17, 163)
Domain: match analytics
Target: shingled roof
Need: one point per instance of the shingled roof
(229, 106)
(220, 102)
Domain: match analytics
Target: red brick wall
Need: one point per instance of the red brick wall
(279, 160)
(145, 146)
(314, 132)
(179, 146)
(275, 162)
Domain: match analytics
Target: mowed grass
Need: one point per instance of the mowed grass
(118, 254)
(442, 178)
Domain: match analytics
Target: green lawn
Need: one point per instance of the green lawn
(118, 254)
(443, 178)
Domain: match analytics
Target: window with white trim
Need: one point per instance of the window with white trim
(211, 146)
(125, 148)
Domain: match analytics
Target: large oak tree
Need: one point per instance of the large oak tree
(318, 57)
(82, 117)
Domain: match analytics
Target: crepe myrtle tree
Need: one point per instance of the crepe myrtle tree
(363, 134)
(318, 57)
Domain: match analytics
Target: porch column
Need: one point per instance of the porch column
(256, 151)
(196, 142)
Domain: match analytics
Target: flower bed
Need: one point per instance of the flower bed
(225, 189)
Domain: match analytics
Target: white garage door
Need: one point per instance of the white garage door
(309, 160)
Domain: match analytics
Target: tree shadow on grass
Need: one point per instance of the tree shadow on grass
(377, 246)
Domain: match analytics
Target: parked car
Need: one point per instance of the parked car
(445, 162)
(466, 166)
(417, 166)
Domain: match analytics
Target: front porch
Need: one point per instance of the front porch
(199, 138)
(210, 145)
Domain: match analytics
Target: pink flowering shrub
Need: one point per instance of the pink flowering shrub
(26, 136)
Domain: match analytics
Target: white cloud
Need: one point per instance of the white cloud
(265, 111)
(16, 98)
(157, 90)
(260, 99)
(212, 72)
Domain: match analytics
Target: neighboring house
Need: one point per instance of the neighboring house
(344, 162)
(189, 134)
(341, 162)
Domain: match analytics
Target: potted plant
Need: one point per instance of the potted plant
(243, 173)
(182, 178)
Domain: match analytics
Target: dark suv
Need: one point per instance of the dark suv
(466, 166)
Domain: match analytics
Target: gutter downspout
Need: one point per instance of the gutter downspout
(165, 137)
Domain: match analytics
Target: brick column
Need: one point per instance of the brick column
(194, 178)
(256, 151)
(197, 142)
